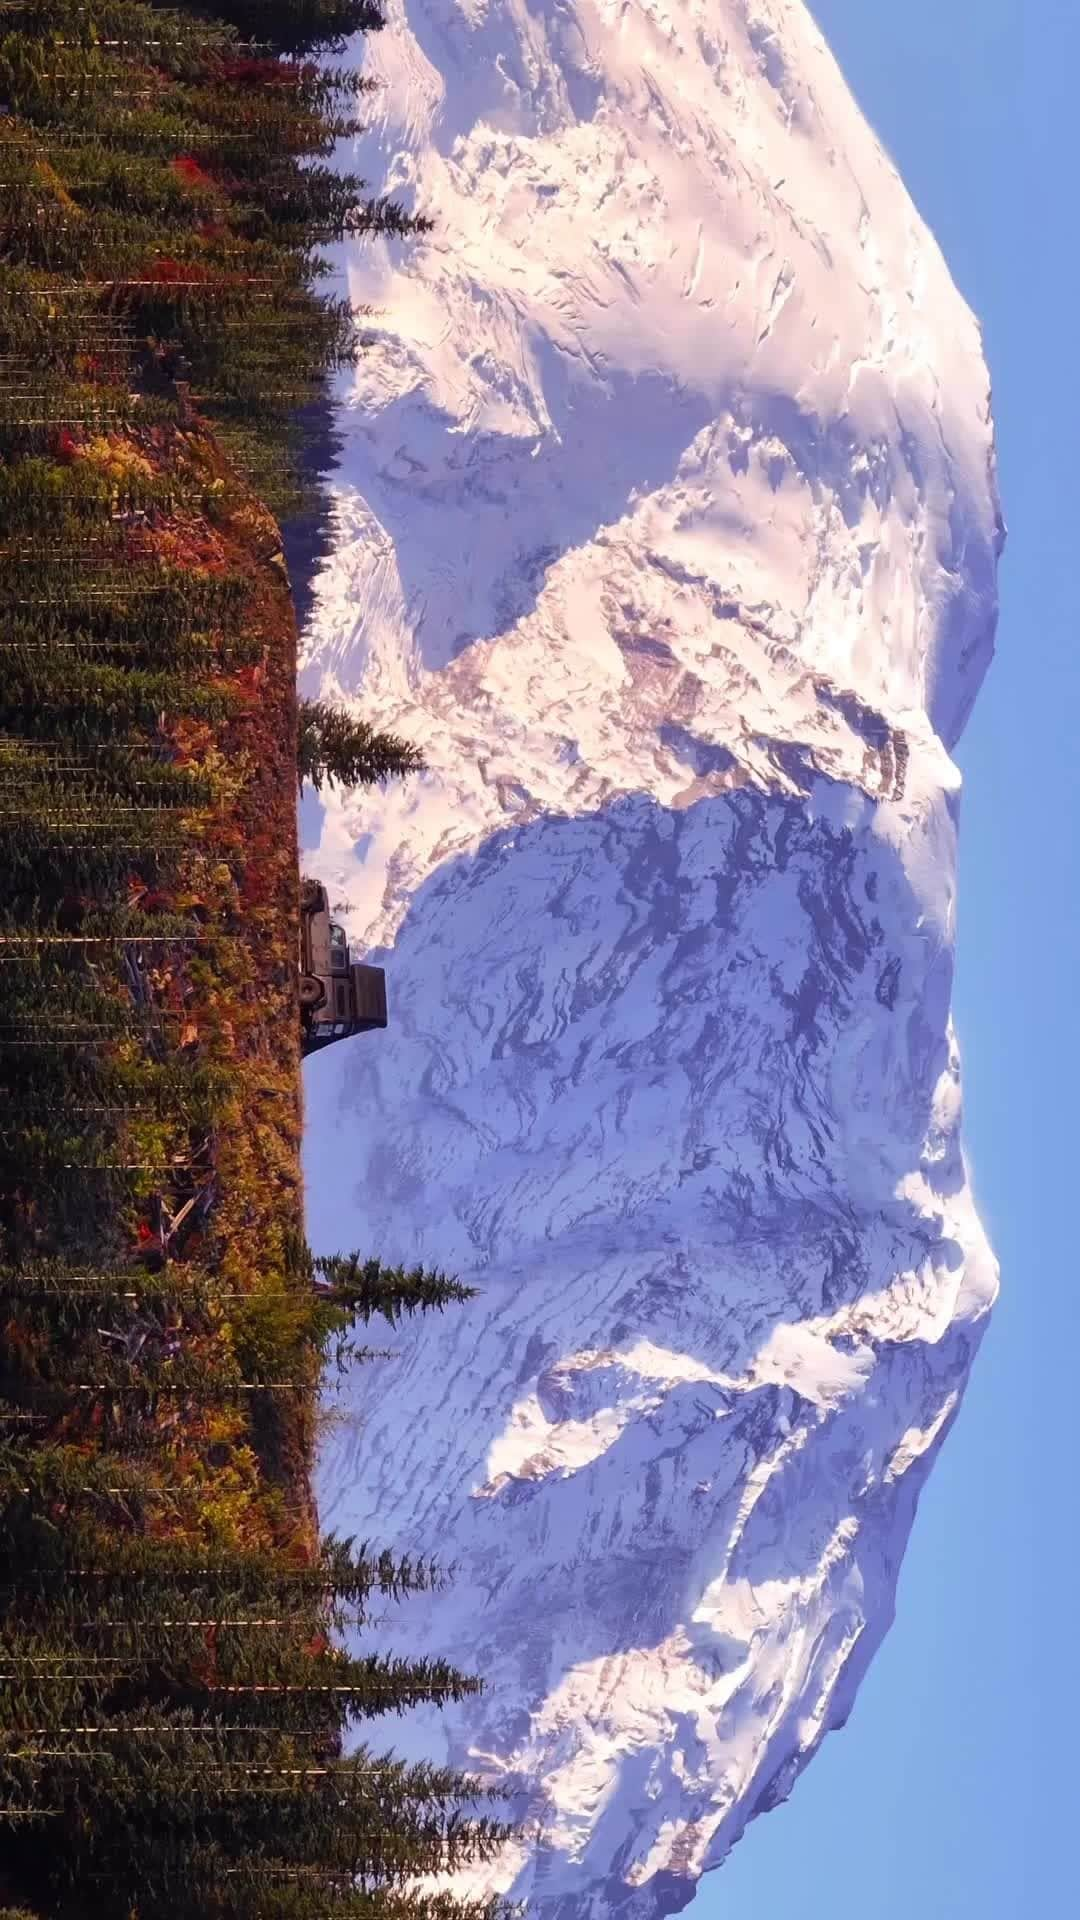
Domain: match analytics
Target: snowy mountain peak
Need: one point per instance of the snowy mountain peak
(667, 525)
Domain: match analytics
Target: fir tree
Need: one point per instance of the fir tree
(174, 1697)
(301, 26)
(336, 748)
(362, 1287)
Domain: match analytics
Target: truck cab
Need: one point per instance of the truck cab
(339, 996)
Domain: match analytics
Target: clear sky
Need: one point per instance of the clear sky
(954, 1789)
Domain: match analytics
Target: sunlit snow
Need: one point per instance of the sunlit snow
(666, 524)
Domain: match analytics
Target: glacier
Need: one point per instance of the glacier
(666, 522)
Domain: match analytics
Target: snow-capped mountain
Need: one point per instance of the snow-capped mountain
(667, 525)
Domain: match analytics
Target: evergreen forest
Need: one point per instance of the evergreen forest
(182, 1731)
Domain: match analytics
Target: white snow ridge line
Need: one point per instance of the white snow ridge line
(667, 526)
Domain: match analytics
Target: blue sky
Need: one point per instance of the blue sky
(953, 1790)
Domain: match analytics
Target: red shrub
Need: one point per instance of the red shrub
(187, 169)
(65, 446)
(168, 272)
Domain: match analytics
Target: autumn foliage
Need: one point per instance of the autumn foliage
(174, 1689)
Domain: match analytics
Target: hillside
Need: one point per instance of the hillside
(173, 1694)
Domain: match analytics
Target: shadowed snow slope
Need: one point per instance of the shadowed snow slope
(667, 526)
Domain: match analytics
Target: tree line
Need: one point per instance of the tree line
(182, 1725)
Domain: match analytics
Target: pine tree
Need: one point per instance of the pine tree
(90, 1569)
(300, 26)
(360, 1287)
(334, 747)
(174, 1700)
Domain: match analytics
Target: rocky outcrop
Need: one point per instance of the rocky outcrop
(666, 524)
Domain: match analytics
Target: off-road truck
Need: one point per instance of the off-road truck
(339, 996)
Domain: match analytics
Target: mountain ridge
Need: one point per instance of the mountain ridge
(666, 524)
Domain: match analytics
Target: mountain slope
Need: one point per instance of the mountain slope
(667, 525)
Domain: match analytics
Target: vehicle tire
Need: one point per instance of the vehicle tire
(309, 896)
(312, 992)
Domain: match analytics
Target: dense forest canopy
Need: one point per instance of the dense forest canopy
(174, 1692)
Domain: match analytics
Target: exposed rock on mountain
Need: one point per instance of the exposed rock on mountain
(667, 526)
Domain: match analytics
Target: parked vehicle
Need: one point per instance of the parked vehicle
(339, 996)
